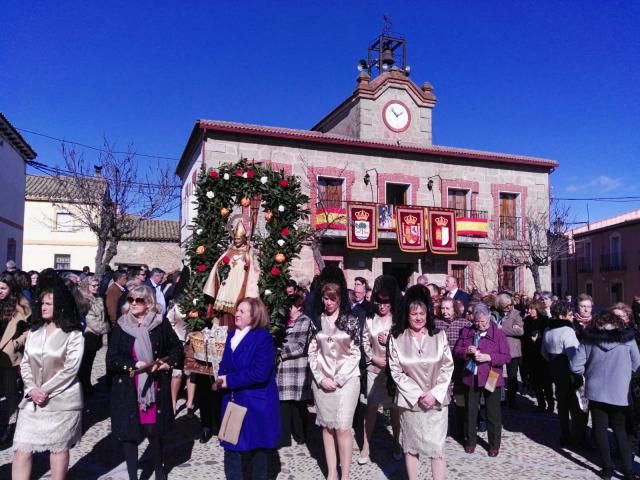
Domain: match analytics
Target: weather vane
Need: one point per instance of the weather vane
(387, 25)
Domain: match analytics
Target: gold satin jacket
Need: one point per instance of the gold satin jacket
(333, 354)
(52, 363)
(416, 369)
(370, 344)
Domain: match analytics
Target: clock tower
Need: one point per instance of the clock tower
(386, 105)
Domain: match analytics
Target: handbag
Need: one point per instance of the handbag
(232, 422)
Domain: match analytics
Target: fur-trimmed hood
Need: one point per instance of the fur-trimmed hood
(607, 339)
(559, 323)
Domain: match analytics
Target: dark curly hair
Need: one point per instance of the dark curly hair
(8, 305)
(65, 310)
(385, 287)
(415, 294)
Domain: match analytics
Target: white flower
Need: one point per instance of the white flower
(295, 226)
(280, 242)
(244, 175)
(226, 176)
(263, 180)
(195, 302)
(210, 194)
(281, 208)
(199, 231)
(267, 292)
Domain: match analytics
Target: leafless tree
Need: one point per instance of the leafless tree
(112, 197)
(542, 240)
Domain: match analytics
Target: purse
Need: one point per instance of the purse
(232, 422)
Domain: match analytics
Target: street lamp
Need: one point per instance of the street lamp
(367, 181)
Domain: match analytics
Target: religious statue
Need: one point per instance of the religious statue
(234, 276)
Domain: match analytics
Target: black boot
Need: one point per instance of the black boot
(6, 435)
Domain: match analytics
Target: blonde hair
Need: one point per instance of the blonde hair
(258, 311)
(145, 292)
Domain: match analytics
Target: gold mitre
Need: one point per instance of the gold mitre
(239, 230)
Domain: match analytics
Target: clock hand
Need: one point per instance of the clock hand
(393, 110)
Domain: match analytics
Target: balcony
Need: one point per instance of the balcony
(510, 228)
(331, 216)
(584, 265)
(612, 263)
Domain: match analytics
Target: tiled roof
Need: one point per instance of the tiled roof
(9, 132)
(63, 189)
(331, 138)
(155, 231)
(612, 222)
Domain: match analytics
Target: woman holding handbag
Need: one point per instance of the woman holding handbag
(142, 351)
(247, 377)
(485, 350)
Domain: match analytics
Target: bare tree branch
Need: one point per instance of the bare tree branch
(112, 197)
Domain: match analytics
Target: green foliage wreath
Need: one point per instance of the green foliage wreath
(284, 208)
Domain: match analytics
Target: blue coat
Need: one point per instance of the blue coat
(250, 371)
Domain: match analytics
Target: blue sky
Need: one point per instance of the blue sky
(553, 79)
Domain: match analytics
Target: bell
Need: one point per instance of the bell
(387, 57)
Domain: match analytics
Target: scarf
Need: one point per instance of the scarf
(584, 321)
(144, 352)
(471, 365)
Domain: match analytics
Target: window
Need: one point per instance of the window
(459, 272)
(396, 193)
(615, 248)
(616, 292)
(458, 199)
(509, 278)
(588, 289)
(509, 222)
(11, 249)
(558, 272)
(64, 221)
(61, 261)
(588, 262)
(330, 192)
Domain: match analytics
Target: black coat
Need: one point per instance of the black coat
(125, 425)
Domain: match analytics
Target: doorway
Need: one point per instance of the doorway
(400, 271)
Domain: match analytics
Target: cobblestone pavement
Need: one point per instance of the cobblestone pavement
(529, 450)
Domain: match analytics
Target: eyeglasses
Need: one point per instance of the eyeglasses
(95, 286)
(139, 300)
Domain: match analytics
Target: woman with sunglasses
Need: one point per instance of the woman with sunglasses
(96, 327)
(386, 298)
(143, 350)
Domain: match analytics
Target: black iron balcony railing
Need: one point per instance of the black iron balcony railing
(612, 262)
(476, 214)
(510, 228)
(585, 265)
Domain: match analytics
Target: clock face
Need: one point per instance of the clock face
(396, 116)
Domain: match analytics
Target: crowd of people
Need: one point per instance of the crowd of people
(348, 354)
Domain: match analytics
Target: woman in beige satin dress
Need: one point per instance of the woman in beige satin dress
(421, 365)
(51, 412)
(386, 299)
(334, 357)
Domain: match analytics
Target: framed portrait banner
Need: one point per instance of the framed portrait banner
(410, 229)
(386, 220)
(443, 238)
(362, 231)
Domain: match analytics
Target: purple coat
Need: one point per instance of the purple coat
(494, 343)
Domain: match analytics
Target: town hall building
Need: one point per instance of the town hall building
(376, 147)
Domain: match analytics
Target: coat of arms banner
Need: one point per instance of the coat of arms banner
(410, 229)
(362, 233)
(443, 237)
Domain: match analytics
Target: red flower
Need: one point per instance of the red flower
(285, 232)
(284, 183)
(226, 260)
(213, 174)
(201, 268)
(251, 174)
(275, 271)
(238, 172)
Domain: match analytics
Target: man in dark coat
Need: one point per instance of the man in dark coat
(451, 284)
